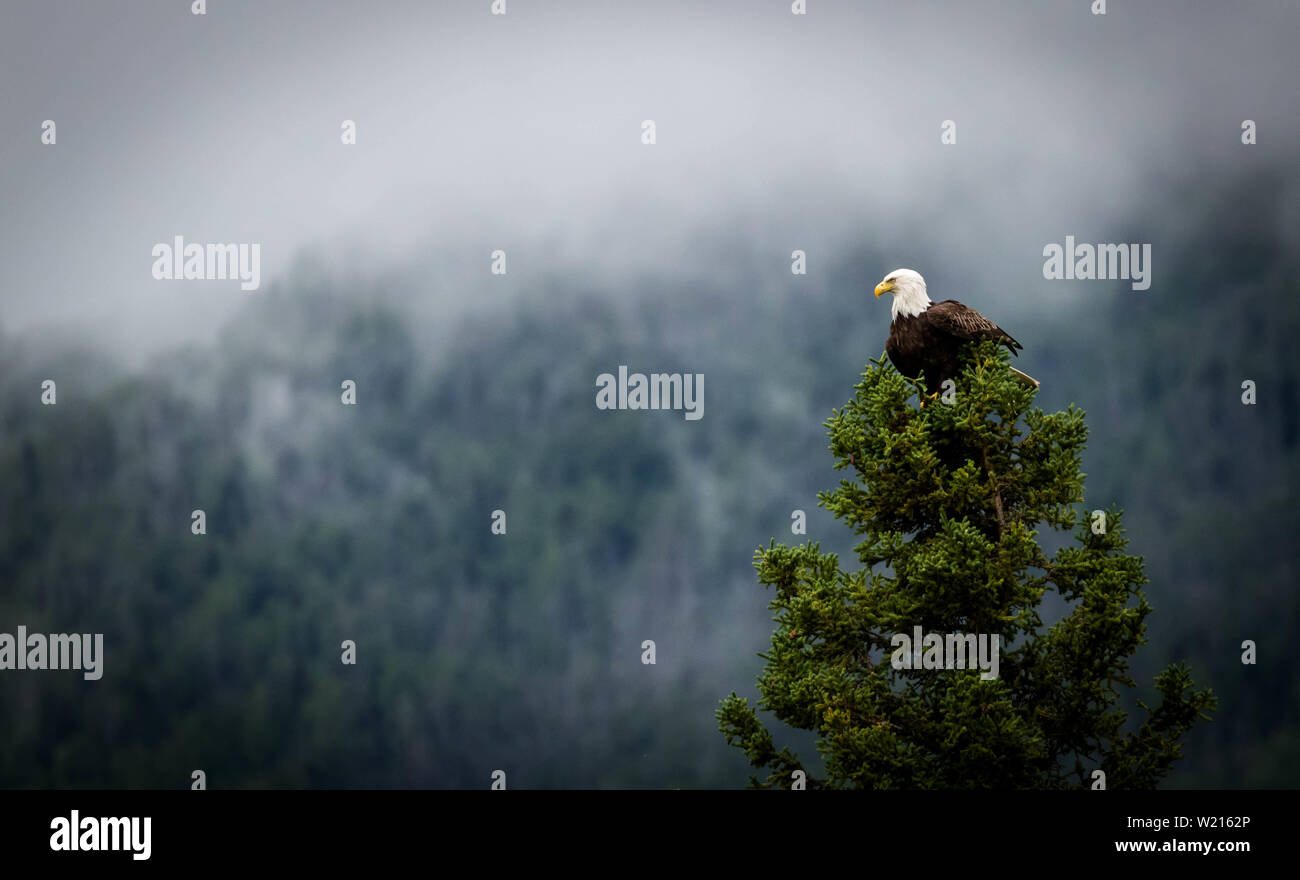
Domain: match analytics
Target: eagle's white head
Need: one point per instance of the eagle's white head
(908, 288)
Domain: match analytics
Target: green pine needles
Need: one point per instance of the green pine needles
(948, 498)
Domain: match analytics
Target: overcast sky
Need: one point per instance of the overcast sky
(523, 132)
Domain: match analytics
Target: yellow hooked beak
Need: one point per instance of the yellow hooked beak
(884, 287)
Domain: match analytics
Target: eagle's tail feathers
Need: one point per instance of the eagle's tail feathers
(1024, 378)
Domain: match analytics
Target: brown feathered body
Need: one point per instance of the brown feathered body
(931, 341)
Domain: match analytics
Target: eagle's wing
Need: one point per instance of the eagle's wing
(964, 322)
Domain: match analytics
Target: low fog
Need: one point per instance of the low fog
(522, 132)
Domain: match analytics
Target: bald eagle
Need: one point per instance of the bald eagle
(927, 336)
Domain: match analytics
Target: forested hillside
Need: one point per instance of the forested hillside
(522, 651)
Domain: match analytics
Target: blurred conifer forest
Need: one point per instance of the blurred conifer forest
(522, 652)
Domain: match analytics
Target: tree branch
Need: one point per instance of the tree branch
(997, 493)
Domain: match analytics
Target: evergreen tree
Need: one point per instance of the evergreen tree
(948, 498)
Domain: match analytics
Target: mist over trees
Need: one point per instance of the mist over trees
(522, 651)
